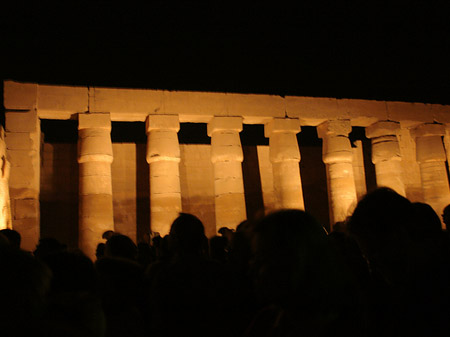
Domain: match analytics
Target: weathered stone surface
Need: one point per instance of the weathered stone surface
(163, 155)
(19, 96)
(338, 155)
(18, 141)
(382, 128)
(430, 149)
(61, 99)
(287, 185)
(359, 169)
(362, 112)
(282, 125)
(335, 127)
(409, 113)
(313, 110)
(284, 154)
(95, 156)
(227, 156)
(441, 113)
(26, 208)
(197, 184)
(123, 103)
(162, 145)
(5, 204)
(227, 124)
(162, 122)
(21, 121)
(428, 129)
(94, 121)
(29, 232)
(255, 108)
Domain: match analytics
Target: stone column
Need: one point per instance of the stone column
(386, 155)
(5, 206)
(23, 142)
(431, 157)
(227, 157)
(95, 189)
(163, 156)
(337, 155)
(285, 158)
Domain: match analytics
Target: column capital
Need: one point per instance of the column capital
(218, 124)
(382, 128)
(428, 129)
(162, 122)
(337, 127)
(281, 125)
(94, 121)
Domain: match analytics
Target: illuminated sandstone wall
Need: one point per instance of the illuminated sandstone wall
(406, 139)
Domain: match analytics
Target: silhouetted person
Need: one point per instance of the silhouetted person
(100, 250)
(302, 283)
(24, 283)
(425, 222)
(410, 265)
(121, 246)
(108, 235)
(188, 294)
(13, 237)
(121, 282)
(218, 249)
(226, 232)
(48, 246)
(74, 306)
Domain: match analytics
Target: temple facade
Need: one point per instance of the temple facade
(409, 142)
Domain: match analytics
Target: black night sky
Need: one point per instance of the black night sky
(366, 49)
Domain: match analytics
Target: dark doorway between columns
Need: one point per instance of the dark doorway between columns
(59, 182)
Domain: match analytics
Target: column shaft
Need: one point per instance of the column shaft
(386, 155)
(5, 205)
(338, 156)
(23, 142)
(285, 159)
(431, 158)
(95, 188)
(227, 157)
(163, 157)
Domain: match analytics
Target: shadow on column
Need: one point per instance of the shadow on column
(252, 136)
(313, 175)
(142, 192)
(358, 133)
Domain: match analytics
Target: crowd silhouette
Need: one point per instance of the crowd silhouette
(385, 271)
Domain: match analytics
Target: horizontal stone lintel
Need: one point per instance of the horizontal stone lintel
(65, 102)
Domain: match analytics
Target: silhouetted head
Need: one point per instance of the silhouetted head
(108, 235)
(187, 235)
(12, 236)
(446, 216)
(292, 257)
(218, 248)
(426, 223)
(121, 246)
(380, 224)
(72, 272)
(47, 246)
